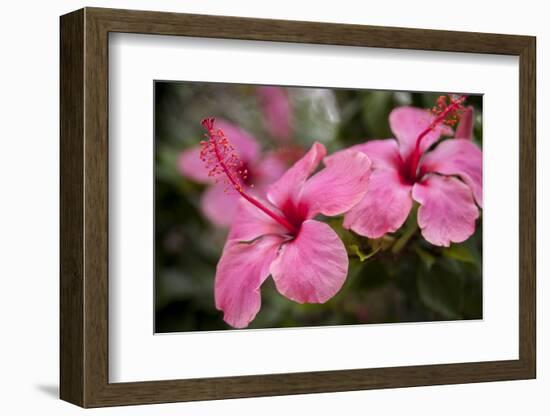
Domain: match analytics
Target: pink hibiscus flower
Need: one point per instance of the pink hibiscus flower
(445, 181)
(279, 236)
(216, 204)
(277, 111)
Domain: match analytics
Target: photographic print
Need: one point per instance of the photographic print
(284, 206)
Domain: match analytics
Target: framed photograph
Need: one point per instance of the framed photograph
(255, 207)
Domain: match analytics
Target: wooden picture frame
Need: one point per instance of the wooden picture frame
(84, 207)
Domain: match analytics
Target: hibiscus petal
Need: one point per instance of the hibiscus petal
(219, 205)
(384, 208)
(289, 186)
(250, 223)
(382, 153)
(465, 128)
(447, 210)
(339, 186)
(241, 271)
(458, 157)
(190, 165)
(268, 170)
(313, 267)
(276, 110)
(245, 144)
(408, 122)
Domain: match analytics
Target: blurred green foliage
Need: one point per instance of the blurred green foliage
(399, 278)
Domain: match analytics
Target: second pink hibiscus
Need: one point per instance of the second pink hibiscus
(445, 181)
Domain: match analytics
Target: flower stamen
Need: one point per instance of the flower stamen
(222, 160)
(448, 113)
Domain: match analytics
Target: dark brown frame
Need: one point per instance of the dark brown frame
(84, 207)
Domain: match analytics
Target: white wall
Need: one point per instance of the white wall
(29, 208)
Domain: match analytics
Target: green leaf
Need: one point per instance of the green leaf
(426, 257)
(358, 246)
(459, 252)
(441, 290)
(336, 224)
(382, 243)
(355, 249)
